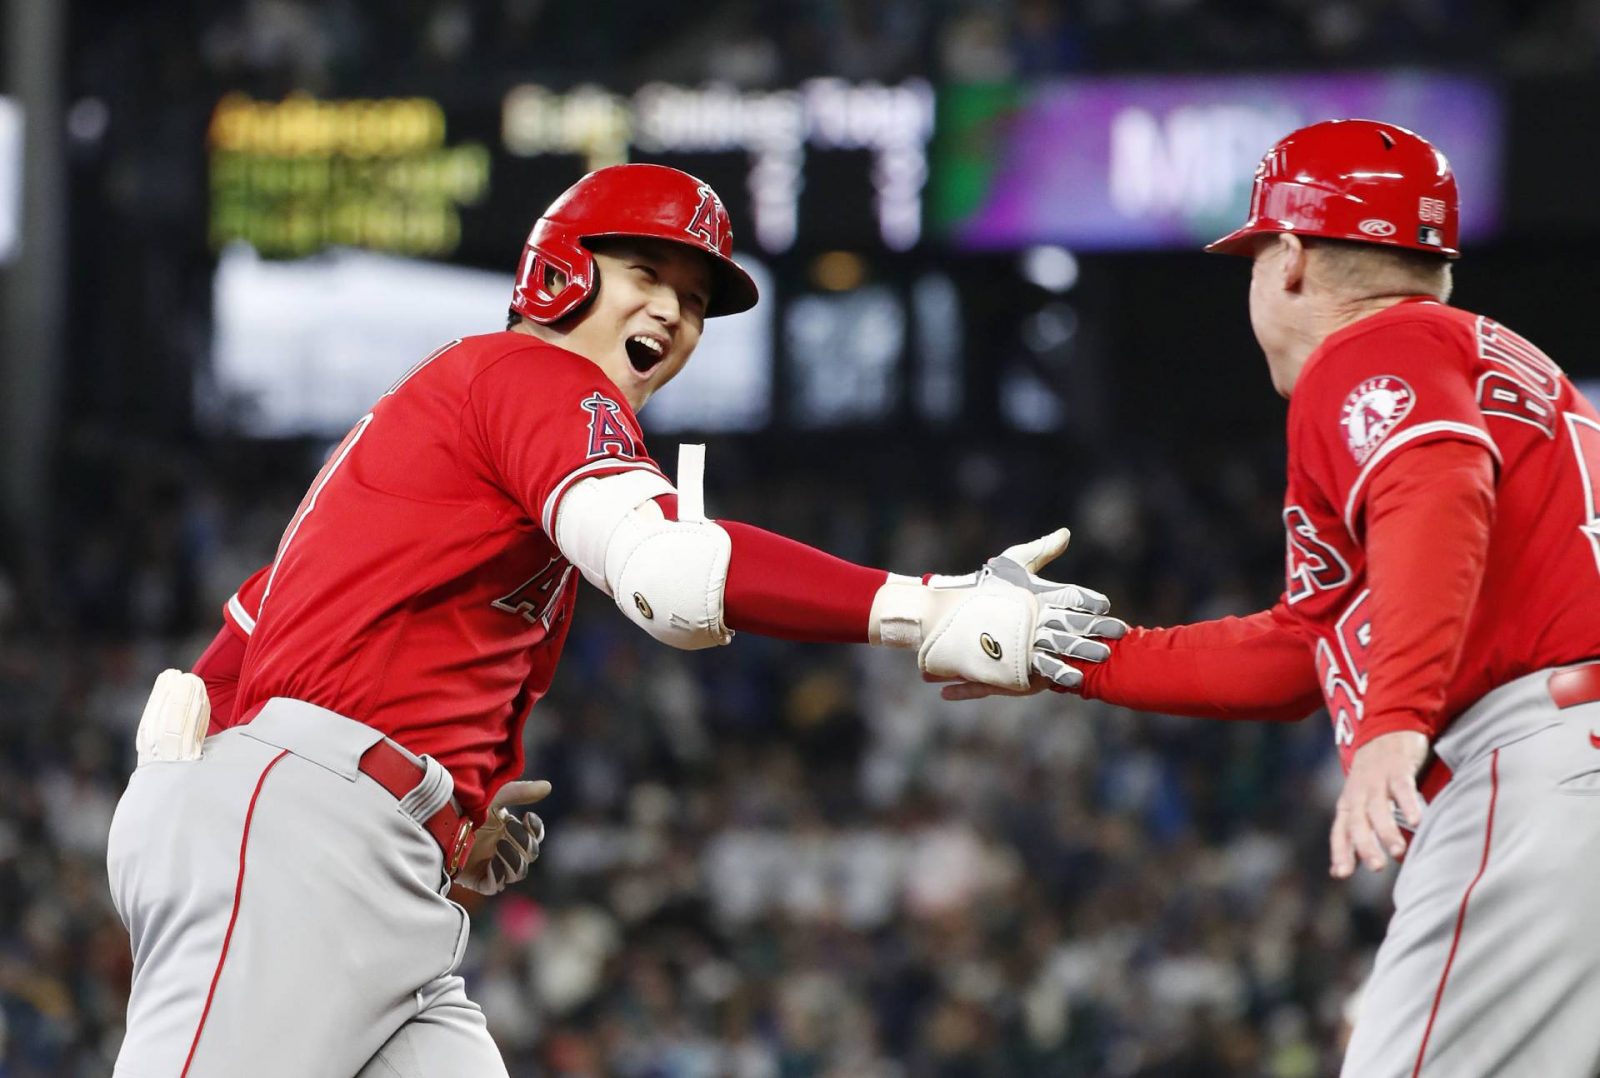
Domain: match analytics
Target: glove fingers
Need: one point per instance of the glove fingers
(1071, 645)
(1074, 596)
(1056, 671)
(1076, 621)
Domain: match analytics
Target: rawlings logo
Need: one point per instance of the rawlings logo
(1377, 226)
(1373, 409)
(608, 437)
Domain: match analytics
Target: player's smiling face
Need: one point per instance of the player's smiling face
(647, 314)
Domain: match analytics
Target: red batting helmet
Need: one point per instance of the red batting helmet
(1353, 180)
(650, 201)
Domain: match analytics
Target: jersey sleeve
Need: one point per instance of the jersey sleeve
(1255, 667)
(239, 613)
(539, 420)
(1375, 394)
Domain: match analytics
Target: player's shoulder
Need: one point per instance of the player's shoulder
(1426, 334)
(523, 359)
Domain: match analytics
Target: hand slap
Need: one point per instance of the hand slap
(1020, 565)
(1383, 777)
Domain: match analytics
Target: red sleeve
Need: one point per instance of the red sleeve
(218, 666)
(239, 613)
(778, 587)
(1232, 668)
(541, 418)
(1428, 520)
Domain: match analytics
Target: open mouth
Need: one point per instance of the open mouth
(644, 352)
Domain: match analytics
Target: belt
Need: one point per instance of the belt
(395, 772)
(1579, 685)
(1567, 688)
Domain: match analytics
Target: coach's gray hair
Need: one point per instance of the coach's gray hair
(1362, 270)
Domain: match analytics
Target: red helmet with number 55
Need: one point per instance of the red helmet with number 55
(1355, 180)
(557, 271)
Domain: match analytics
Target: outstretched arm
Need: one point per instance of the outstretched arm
(690, 582)
(1232, 668)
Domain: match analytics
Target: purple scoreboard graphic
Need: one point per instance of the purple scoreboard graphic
(1166, 162)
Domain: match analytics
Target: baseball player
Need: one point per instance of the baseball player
(283, 880)
(1442, 602)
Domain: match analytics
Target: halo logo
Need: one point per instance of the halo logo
(1373, 409)
(1377, 226)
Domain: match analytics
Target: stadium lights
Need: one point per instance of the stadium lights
(1054, 269)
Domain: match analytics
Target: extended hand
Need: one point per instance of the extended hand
(1070, 623)
(506, 845)
(1383, 776)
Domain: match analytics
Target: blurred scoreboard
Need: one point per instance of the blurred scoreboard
(1166, 162)
(354, 235)
(1134, 163)
(827, 162)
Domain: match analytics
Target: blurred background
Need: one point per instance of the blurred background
(225, 227)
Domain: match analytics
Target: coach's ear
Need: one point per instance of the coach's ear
(1290, 262)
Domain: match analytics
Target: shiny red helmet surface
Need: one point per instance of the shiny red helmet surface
(1358, 180)
(650, 201)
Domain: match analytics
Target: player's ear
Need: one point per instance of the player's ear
(1291, 261)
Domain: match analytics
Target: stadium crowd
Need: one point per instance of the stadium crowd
(770, 860)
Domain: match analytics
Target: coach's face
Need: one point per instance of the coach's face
(1275, 277)
(647, 314)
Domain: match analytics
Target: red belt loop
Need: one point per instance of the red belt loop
(1580, 685)
(394, 771)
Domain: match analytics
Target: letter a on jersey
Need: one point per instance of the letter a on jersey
(607, 436)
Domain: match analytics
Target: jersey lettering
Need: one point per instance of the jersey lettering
(1355, 639)
(706, 221)
(1520, 357)
(607, 435)
(1344, 684)
(1311, 564)
(1344, 702)
(1586, 443)
(537, 598)
(1502, 395)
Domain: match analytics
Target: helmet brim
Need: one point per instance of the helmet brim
(1241, 241)
(732, 290)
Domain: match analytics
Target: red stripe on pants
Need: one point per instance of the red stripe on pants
(1461, 918)
(238, 891)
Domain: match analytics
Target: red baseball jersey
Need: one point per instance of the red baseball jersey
(1417, 372)
(417, 587)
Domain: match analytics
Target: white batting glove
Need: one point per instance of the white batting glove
(507, 844)
(1000, 627)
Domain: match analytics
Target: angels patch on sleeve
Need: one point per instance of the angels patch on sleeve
(1373, 409)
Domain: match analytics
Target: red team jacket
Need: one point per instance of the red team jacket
(416, 588)
(1416, 373)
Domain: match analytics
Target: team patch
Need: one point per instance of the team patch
(608, 437)
(1373, 409)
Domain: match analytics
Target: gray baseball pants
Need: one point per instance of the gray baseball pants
(288, 915)
(1491, 965)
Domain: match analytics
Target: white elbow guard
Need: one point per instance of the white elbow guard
(666, 576)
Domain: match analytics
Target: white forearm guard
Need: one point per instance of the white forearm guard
(666, 576)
